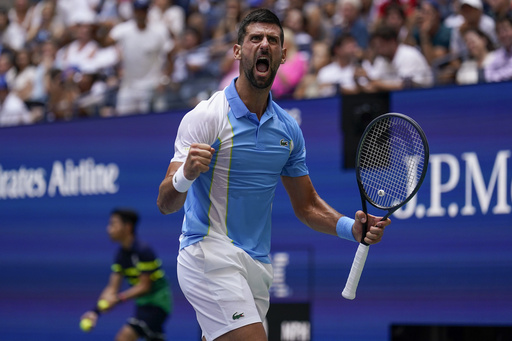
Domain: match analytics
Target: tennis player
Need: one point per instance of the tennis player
(137, 262)
(230, 152)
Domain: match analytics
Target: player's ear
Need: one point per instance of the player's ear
(283, 56)
(237, 51)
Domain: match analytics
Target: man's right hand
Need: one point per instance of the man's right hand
(198, 160)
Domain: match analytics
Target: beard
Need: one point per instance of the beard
(249, 66)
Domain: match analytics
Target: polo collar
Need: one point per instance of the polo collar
(238, 107)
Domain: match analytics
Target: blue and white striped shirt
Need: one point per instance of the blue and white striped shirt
(234, 198)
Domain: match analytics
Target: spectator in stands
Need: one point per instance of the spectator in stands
(408, 6)
(315, 23)
(107, 13)
(429, 32)
(192, 72)
(23, 81)
(309, 86)
(12, 35)
(144, 48)
(480, 55)
(394, 17)
(350, 21)
(432, 36)
(12, 109)
(46, 26)
(21, 14)
(447, 8)
(293, 70)
(330, 18)
(452, 17)
(198, 22)
(91, 93)
(229, 68)
(224, 36)
(210, 12)
(295, 21)
(396, 66)
(67, 9)
(498, 8)
(63, 91)
(81, 52)
(471, 11)
(338, 76)
(170, 14)
(500, 69)
(44, 60)
(368, 13)
(6, 66)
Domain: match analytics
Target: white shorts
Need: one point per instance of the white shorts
(227, 288)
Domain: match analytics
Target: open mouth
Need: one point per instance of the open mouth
(262, 64)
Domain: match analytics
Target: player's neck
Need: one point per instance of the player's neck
(127, 242)
(254, 99)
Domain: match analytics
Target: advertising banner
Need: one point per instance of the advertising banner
(445, 260)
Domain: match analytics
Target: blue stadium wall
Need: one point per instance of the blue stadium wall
(446, 259)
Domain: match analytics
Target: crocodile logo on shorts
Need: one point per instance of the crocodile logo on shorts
(236, 315)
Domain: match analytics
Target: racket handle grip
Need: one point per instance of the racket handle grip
(355, 272)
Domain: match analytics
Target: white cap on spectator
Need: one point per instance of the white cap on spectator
(473, 3)
(83, 17)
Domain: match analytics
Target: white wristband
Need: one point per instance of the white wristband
(180, 182)
(344, 228)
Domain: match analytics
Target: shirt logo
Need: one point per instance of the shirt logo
(284, 143)
(236, 315)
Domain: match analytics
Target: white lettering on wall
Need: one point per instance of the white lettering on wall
(295, 331)
(66, 179)
(279, 288)
(479, 192)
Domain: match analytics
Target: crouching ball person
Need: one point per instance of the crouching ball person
(230, 152)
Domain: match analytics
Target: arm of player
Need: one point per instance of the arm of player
(313, 211)
(92, 316)
(141, 288)
(169, 199)
(109, 294)
(198, 161)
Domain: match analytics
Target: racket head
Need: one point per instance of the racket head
(391, 162)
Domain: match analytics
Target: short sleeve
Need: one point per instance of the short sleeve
(200, 125)
(296, 164)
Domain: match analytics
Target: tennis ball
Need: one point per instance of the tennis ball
(103, 305)
(86, 325)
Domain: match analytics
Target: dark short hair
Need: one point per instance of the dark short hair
(395, 6)
(507, 17)
(128, 216)
(260, 15)
(384, 32)
(340, 40)
(488, 42)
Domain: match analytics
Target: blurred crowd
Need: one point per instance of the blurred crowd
(63, 59)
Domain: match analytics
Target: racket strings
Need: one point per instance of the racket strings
(391, 161)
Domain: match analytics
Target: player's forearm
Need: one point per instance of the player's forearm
(169, 199)
(134, 292)
(320, 217)
(112, 288)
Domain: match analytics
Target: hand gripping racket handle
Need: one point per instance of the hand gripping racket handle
(355, 272)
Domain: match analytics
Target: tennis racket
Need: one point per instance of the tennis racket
(391, 163)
